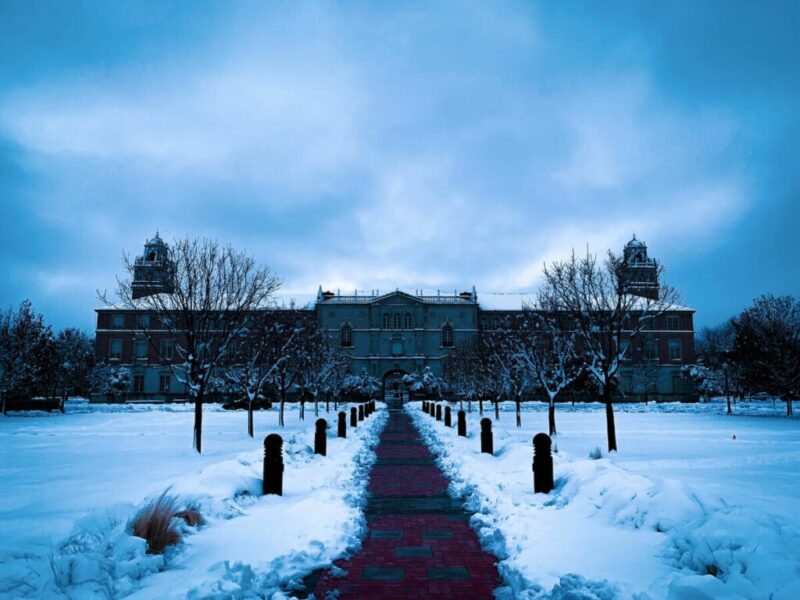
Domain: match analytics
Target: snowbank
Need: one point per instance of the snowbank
(111, 465)
(608, 530)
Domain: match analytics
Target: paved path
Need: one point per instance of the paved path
(419, 543)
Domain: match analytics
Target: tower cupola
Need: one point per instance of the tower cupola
(153, 272)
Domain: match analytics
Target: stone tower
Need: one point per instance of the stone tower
(153, 272)
(640, 275)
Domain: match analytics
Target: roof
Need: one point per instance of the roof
(326, 298)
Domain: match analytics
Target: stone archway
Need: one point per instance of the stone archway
(394, 391)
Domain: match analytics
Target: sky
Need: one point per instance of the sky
(376, 145)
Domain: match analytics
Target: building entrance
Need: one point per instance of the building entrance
(394, 390)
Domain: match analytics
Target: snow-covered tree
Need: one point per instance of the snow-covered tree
(706, 381)
(424, 383)
(110, 380)
(75, 357)
(767, 346)
(597, 298)
(363, 385)
(214, 290)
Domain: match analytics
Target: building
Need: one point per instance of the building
(396, 333)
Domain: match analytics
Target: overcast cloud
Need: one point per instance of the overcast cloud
(415, 145)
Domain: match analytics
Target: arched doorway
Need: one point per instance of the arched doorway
(394, 390)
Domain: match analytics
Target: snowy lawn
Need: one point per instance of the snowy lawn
(71, 484)
(683, 511)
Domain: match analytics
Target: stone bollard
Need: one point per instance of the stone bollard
(542, 464)
(487, 444)
(374, 408)
(360, 412)
(342, 430)
(353, 417)
(462, 423)
(273, 464)
(320, 437)
(448, 420)
(438, 412)
(424, 406)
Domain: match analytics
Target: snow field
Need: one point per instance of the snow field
(73, 482)
(682, 500)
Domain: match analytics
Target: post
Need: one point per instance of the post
(487, 443)
(320, 438)
(542, 464)
(353, 417)
(424, 406)
(462, 424)
(360, 412)
(448, 420)
(342, 429)
(273, 464)
(438, 412)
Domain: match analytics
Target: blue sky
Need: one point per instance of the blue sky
(414, 145)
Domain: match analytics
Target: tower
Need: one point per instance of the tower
(640, 273)
(153, 272)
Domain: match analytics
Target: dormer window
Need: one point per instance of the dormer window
(447, 336)
(346, 336)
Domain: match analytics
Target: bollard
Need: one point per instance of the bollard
(462, 423)
(273, 464)
(372, 405)
(353, 417)
(487, 444)
(448, 422)
(320, 438)
(542, 464)
(438, 412)
(342, 430)
(367, 409)
(360, 412)
(425, 406)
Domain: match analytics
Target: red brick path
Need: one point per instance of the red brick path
(419, 543)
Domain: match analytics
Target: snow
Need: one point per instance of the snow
(681, 500)
(73, 482)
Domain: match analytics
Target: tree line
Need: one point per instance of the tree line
(758, 351)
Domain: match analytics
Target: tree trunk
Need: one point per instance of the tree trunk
(250, 419)
(519, 413)
(496, 409)
(727, 393)
(198, 422)
(551, 418)
(328, 401)
(789, 407)
(302, 403)
(611, 427)
(283, 404)
(480, 406)
(316, 406)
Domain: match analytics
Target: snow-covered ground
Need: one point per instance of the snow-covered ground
(71, 483)
(681, 501)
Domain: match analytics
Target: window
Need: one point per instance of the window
(626, 323)
(674, 349)
(649, 350)
(647, 323)
(408, 320)
(397, 320)
(143, 321)
(673, 322)
(397, 347)
(115, 350)
(163, 382)
(138, 384)
(447, 336)
(141, 348)
(118, 322)
(483, 322)
(625, 349)
(677, 383)
(386, 318)
(166, 349)
(347, 336)
(496, 323)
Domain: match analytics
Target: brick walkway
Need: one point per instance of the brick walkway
(419, 543)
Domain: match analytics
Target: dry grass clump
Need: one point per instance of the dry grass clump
(192, 517)
(154, 523)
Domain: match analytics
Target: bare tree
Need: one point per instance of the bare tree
(602, 305)
(212, 293)
(548, 348)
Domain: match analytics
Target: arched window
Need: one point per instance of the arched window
(447, 336)
(408, 320)
(347, 336)
(386, 320)
(397, 320)
(495, 323)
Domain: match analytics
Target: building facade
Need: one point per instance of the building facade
(398, 333)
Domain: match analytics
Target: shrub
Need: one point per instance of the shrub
(154, 523)
(596, 454)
